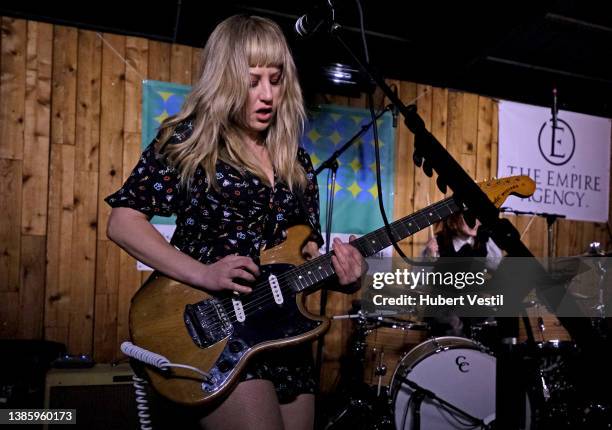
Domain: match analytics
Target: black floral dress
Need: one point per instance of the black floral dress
(243, 217)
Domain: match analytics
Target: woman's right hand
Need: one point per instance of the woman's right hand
(221, 274)
(431, 249)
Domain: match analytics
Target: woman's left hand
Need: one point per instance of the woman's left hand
(348, 263)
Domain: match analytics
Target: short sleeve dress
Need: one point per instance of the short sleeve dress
(243, 216)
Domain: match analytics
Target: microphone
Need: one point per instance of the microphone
(307, 24)
(394, 110)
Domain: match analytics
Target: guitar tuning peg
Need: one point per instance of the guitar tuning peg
(441, 185)
(427, 169)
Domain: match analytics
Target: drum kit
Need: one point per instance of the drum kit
(397, 376)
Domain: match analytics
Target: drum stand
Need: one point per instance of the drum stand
(421, 394)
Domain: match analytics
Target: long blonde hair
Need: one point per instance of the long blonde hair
(217, 105)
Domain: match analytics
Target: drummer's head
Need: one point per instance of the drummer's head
(455, 225)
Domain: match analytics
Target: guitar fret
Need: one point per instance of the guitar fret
(321, 268)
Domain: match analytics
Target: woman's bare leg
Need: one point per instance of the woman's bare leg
(299, 414)
(252, 405)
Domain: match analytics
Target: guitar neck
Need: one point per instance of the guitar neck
(320, 269)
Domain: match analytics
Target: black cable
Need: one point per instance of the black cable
(381, 205)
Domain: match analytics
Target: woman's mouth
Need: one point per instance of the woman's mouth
(263, 114)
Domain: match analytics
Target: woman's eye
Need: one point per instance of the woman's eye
(254, 84)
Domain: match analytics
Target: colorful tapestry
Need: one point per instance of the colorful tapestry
(356, 207)
(159, 101)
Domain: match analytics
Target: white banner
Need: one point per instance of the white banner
(570, 163)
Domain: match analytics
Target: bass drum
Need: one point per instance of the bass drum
(456, 370)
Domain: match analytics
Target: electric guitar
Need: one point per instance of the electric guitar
(220, 333)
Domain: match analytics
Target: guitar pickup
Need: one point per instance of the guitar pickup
(207, 322)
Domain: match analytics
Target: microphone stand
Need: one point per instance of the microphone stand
(332, 164)
(550, 221)
(431, 155)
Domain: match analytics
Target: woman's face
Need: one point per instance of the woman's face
(264, 92)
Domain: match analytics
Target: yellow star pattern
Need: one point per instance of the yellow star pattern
(313, 135)
(165, 95)
(315, 160)
(374, 191)
(355, 189)
(338, 188)
(373, 167)
(162, 116)
(335, 137)
(355, 165)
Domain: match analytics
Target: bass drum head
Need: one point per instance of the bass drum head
(454, 369)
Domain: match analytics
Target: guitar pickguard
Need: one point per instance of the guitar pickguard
(274, 323)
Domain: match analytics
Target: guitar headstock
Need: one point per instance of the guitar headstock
(498, 190)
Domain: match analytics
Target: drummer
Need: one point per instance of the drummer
(455, 238)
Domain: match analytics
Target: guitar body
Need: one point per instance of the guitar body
(158, 324)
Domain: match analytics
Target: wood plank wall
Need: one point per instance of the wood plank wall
(70, 123)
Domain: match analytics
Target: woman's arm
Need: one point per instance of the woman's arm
(131, 230)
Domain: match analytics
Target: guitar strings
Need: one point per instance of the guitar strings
(261, 295)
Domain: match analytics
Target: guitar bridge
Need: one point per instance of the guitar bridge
(207, 322)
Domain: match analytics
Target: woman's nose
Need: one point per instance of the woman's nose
(265, 91)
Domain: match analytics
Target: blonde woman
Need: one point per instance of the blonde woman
(229, 166)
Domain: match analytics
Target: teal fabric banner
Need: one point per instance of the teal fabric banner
(329, 127)
(159, 101)
(356, 207)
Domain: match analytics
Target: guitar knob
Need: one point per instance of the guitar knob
(223, 366)
(235, 346)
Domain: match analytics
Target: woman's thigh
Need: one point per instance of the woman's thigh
(299, 414)
(252, 405)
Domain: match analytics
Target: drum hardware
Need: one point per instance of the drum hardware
(421, 394)
(380, 371)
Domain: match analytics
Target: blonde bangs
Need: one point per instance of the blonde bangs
(264, 49)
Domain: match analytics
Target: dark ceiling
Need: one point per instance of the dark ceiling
(515, 50)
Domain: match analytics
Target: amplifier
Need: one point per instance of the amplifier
(102, 395)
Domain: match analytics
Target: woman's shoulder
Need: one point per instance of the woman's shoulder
(182, 131)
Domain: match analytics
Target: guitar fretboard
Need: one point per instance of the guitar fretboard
(319, 269)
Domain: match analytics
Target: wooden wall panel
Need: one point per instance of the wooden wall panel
(88, 105)
(159, 61)
(65, 48)
(404, 167)
(70, 122)
(10, 240)
(12, 87)
(180, 64)
(59, 241)
(37, 129)
(31, 301)
(484, 144)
